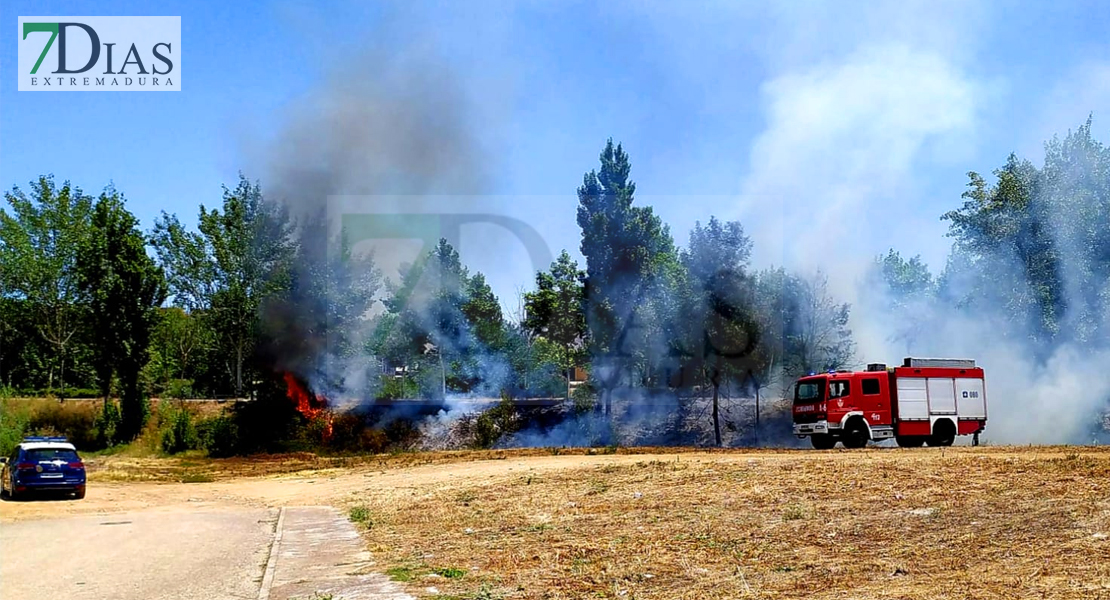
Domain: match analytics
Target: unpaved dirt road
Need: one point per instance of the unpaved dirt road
(212, 541)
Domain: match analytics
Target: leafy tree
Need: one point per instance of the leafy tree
(40, 240)
(318, 325)
(1002, 234)
(1032, 253)
(909, 291)
(632, 271)
(483, 312)
(555, 312)
(804, 329)
(722, 328)
(818, 338)
(123, 288)
(241, 256)
(180, 341)
(427, 321)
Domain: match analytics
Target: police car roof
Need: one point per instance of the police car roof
(47, 446)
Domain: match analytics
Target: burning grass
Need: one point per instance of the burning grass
(962, 523)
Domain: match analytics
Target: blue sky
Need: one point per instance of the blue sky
(832, 130)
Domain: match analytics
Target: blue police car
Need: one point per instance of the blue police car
(42, 464)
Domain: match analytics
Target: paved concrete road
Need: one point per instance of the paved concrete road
(318, 551)
(179, 555)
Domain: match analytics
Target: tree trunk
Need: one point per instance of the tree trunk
(716, 412)
(239, 371)
(442, 373)
(757, 413)
(62, 377)
(569, 371)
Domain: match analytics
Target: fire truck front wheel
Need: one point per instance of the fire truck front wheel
(822, 441)
(855, 434)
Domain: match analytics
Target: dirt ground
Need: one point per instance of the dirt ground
(876, 523)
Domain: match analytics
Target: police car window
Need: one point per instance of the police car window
(838, 389)
(870, 387)
(40, 454)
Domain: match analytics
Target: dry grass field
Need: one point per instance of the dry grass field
(1000, 523)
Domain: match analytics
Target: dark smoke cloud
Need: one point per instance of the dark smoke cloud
(391, 132)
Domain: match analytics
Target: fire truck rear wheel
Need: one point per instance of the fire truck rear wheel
(822, 441)
(944, 433)
(855, 434)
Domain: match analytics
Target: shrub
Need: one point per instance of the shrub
(395, 388)
(219, 436)
(374, 441)
(179, 388)
(13, 425)
(584, 398)
(108, 424)
(181, 435)
(401, 434)
(74, 420)
(361, 515)
(496, 422)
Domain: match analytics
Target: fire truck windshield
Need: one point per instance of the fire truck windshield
(808, 391)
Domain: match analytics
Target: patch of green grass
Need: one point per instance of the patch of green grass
(449, 572)
(401, 574)
(361, 515)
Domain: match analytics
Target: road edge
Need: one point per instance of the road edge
(271, 561)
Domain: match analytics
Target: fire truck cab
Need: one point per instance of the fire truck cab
(924, 401)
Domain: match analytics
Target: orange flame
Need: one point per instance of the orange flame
(308, 404)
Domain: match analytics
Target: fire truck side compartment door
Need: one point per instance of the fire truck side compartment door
(942, 396)
(912, 400)
(971, 398)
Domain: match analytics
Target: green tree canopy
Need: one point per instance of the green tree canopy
(124, 288)
(41, 236)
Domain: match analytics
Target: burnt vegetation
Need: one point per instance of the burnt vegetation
(643, 341)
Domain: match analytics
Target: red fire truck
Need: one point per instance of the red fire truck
(924, 401)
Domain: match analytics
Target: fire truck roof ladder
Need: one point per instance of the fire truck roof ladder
(948, 363)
